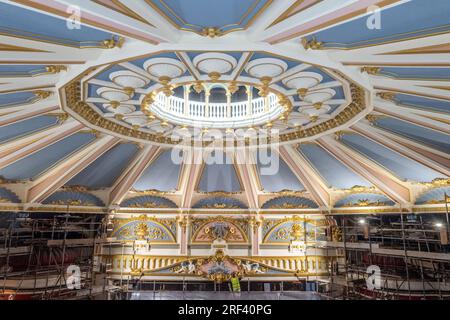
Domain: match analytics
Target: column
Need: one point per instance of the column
(228, 104)
(187, 90)
(266, 103)
(184, 225)
(207, 94)
(249, 101)
(255, 225)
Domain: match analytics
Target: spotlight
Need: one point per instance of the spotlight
(438, 225)
(362, 221)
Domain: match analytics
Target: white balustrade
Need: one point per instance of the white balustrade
(176, 108)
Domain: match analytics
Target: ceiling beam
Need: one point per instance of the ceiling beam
(372, 172)
(391, 109)
(412, 53)
(23, 141)
(436, 163)
(247, 173)
(427, 151)
(269, 16)
(28, 111)
(322, 15)
(307, 175)
(64, 131)
(190, 175)
(126, 181)
(66, 170)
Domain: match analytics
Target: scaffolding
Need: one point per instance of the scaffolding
(411, 251)
(38, 249)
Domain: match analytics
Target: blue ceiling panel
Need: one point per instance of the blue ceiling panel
(219, 175)
(195, 15)
(104, 74)
(326, 76)
(30, 24)
(412, 73)
(140, 61)
(21, 70)
(423, 103)
(282, 179)
(332, 170)
(37, 163)
(104, 171)
(289, 62)
(409, 20)
(22, 128)
(16, 98)
(432, 138)
(403, 167)
(161, 175)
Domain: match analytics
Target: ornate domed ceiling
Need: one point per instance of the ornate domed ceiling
(354, 97)
(161, 96)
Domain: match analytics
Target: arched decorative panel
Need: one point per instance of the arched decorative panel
(145, 228)
(148, 202)
(74, 198)
(364, 200)
(7, 196)
(219, 203)
(434, 196)
(230, 230)
(283, 231)
(290, 202)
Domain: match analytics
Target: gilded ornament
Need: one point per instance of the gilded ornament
(371, 70)
(53, 69)
(312, 44)
(211, 32)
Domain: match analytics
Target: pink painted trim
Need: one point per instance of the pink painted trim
(362, 4)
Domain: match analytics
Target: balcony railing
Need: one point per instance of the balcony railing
(179, 110)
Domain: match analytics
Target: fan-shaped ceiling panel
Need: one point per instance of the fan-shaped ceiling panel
(37, 163)
(430, 17)
(334, 172)
(162, 174)
(16, 98)
(417, 73)
(418, 102)
(219, 174)
(432, 138)
(394, 162)
(103, 172)
(54, 30)
(280, 179)
(26, 127)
